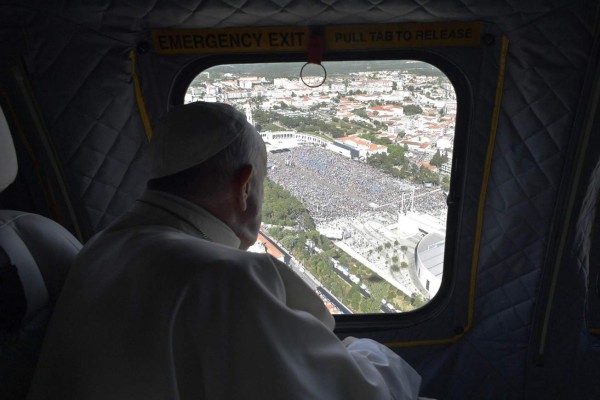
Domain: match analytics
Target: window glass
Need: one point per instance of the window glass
(359, 171)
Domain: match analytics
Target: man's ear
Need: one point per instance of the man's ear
(242, 185)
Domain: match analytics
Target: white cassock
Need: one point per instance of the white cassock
(151, 310)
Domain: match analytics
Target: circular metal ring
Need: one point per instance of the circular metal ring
(302, 75)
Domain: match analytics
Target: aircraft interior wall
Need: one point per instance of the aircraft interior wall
(513, 321)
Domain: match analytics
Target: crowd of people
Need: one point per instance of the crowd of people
(332, 186)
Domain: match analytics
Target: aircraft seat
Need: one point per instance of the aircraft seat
(35, 255)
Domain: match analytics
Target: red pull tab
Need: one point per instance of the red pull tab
(316, 44)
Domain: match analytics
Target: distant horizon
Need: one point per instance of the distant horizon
(332, 68)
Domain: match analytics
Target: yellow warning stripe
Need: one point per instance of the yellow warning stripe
(486, 177)
(140, 98)
(480, 208)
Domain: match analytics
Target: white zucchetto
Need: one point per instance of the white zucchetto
(192, 133)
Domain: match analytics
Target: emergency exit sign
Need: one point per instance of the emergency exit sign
(336, 38)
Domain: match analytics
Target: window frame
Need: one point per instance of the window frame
(464, 97)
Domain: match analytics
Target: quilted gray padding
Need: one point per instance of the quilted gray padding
(92, 114)
(533, 135)
(118, 17)
(587, 250)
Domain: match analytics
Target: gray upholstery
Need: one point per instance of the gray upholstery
(42, 251)
(8, 156)
(35, 255)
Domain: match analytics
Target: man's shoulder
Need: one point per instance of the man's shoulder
(167, 240)
(152, 254)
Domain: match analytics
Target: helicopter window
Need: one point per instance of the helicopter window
(359, 171)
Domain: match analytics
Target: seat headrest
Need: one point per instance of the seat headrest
(8, 156)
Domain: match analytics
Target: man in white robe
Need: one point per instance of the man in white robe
(167, 304)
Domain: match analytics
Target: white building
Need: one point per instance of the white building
(339, 150)
(280, 140)
(444, 144)
(429, 259)
(365, 147)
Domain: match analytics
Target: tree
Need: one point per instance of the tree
(438, 159)
(388, 163)
(445, 183)
(419, 301)
(281, 208)
(412, 109)
(403, 264)
(289, 242)
(445, 158)
(424, 175)
(361, 112)
(354, 297)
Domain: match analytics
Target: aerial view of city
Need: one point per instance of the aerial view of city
(358, 174)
